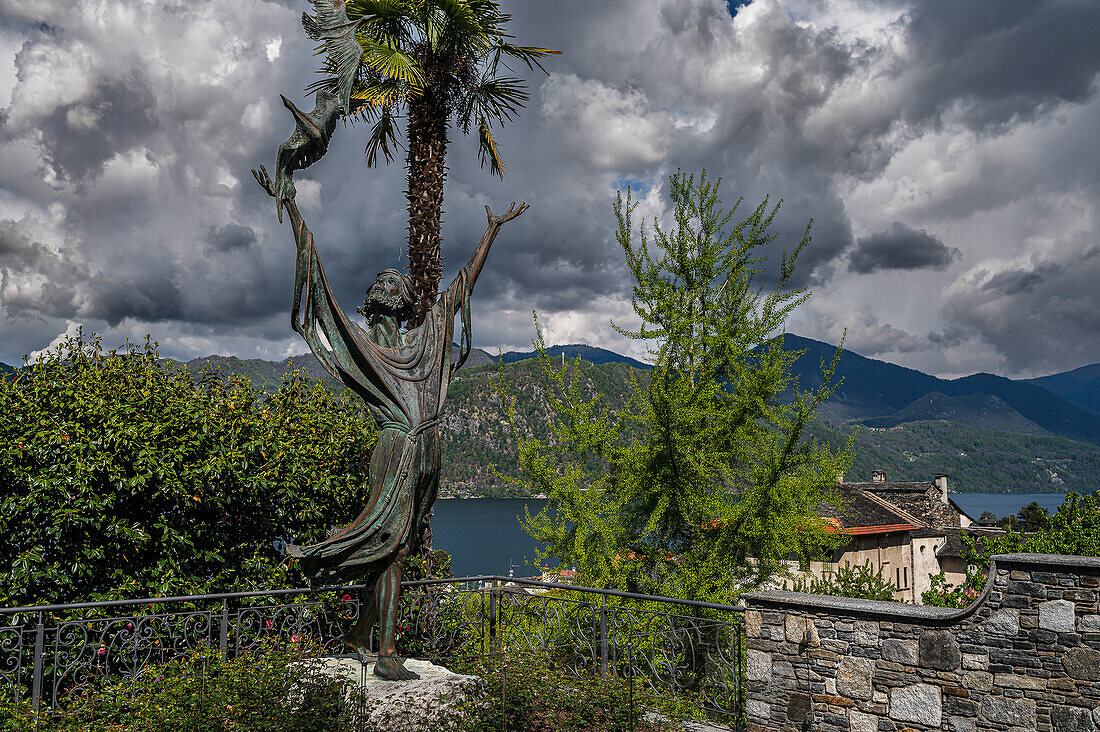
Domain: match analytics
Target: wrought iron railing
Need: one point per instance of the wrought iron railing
(672, 649)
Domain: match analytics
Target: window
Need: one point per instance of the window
(902, 575)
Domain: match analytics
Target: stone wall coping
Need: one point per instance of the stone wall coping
(903, 611)
(878, 609)
(1048, 560)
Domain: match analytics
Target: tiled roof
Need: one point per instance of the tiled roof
(894, 485)
(864, 514)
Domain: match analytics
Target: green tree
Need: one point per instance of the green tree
(123, 478)
(438, 61)
(1032, 517)
(1074, 529)
(848, 581)
(704, 482)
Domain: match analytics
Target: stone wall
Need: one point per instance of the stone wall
(1023, 656)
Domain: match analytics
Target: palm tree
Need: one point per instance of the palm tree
(438, 61)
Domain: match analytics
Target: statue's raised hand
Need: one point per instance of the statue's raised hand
(508, 216)
(282, 190)
(264, 180)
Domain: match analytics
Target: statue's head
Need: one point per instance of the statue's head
(391, 295)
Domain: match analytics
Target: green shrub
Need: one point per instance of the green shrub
(274, 689)
(529, 692)
(1074, 529)
(944, 594)
(848, 581)
(125, 478)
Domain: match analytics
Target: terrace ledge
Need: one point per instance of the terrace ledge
(906, 612)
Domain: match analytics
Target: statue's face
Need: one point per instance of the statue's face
(386, 297)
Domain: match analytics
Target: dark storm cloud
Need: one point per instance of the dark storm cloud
(117, 116)
(230, 237)
(153, 300)
(133, 126)
(1001, 59)
(1017, 281)
(1041, 318)
(17, 250)
(900, 248)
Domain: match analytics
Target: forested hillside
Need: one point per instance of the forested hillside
(977, 459)
(476, 436)
(477, 440)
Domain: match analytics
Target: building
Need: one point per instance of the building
(909, 530)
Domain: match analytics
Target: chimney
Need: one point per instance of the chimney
(941, 483)
(878, 476)
(840, 479)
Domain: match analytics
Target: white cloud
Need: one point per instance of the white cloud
(138, 122)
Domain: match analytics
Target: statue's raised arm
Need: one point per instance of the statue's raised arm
(302, 235)
(303, 240)
(477, 259)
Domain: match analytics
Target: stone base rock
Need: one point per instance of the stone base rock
(425, 704)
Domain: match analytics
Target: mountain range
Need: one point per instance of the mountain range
(877, 393)
(871, 392)
(988, 432)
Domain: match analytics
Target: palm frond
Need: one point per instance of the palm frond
(459, 12)
(384, 93)
(387, 21)
(392, 63)
(383, 136)
(495, 98)
(487, 151)
(527, 54)
(377, 8)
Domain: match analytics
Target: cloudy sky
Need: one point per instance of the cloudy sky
(947, 152)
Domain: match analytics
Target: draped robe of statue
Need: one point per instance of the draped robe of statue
(404, 385)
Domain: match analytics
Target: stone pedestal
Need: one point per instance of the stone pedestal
(427, 703)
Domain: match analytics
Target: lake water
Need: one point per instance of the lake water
(1004, 504)
(484, 536)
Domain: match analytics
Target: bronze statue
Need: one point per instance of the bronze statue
(402, 375)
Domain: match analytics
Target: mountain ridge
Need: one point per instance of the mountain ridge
(1080, 386)
(477, 441)
(873, 388)
(977, 410)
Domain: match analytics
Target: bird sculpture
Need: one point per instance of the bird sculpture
(309, 141)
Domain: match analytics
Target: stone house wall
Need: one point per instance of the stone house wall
(1024, 656)
(926, 564)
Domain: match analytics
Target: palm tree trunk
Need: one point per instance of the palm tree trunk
(427, 157)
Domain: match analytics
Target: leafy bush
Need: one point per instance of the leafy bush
(275, 689)
(123, 477)
(529, 692)
(848, 581)
(944, 594)
(1074, 530)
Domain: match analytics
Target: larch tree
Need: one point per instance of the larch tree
(708, 480)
